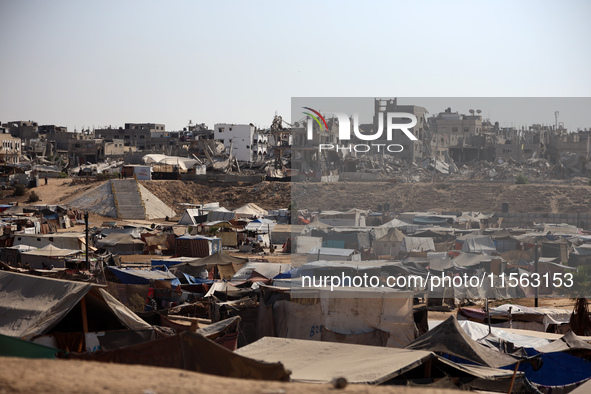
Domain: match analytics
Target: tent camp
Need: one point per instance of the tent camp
(65, 314)
(120, 243)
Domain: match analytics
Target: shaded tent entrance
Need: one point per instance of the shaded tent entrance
(67, 314)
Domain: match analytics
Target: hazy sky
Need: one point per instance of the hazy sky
(97, 63)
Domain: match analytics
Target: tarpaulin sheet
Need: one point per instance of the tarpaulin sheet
(192, 352)
(31, 305)
(449, 338)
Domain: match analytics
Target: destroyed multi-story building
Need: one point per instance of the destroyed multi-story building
(88, 149)
(10, 151)
(412, 150)
(460, 137)
(25, 130)
(245, 141)
(138, 135)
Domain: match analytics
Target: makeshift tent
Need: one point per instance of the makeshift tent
(121, 243)
(223, 332)
(219, 213)
(389, 244)
(304, 244)
(31, 306)
(322, 362)
(73, 241)
(449, 338)
(479, 244)
(348, 313)
(191, 352)
(417, 244)
(569, 343)
(197, 246)
(48, 255)
(261, 226)
(328, 254)
(250, 210)
(192, 217)
(226, 265)
(130, 276)
(266, 270)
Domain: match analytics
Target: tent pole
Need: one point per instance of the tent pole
(86, 224)
(513, 378)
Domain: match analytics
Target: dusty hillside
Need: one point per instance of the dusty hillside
(265, 194)
(454, 196)
(451, 196)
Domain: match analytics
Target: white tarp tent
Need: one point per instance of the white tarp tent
(417, 244)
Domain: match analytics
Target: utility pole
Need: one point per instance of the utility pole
(536, 260)
(86, 224)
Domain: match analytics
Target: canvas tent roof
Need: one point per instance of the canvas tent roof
(261, 225)
(321, 362)
(250, 209)
(268, 270)
(115, 239)
(449, 338)
(137, 277)
(481, 244)
(32, 305)
(417, 244)
(393, 235)
(51, 251)
(331, 252)
(569, 342)
(188, 218)
(195, 266)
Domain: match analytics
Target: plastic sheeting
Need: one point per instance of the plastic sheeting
(449, 338)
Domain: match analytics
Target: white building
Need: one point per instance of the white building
(245, 146)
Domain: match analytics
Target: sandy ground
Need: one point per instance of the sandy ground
(64, 376)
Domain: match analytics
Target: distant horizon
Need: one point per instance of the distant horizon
(364, 106)
(93, 64)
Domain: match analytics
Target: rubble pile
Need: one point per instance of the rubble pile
(501, 170)
(534, 169)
